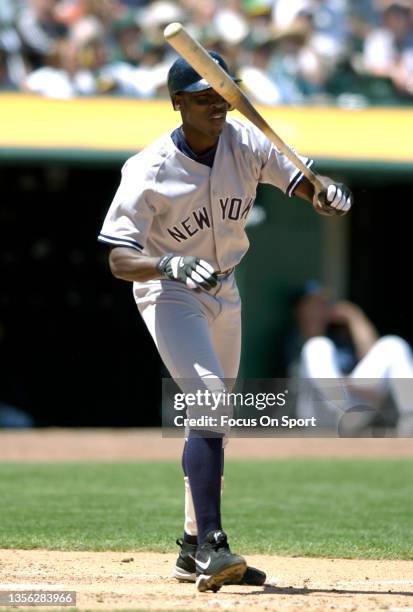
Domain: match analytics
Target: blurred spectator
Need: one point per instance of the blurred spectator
(145, 77)
(140, 64)
(147, 80)
(89, 36)
(273, 74)
(39, 30)
(129, 39)
(230, 26)
(328, 19)
(63, 76)
(156, 16)
(327, 38)
(285, 67)
(388, 50)
(336, 340)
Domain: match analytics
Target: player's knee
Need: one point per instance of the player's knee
(317, 347)
(318, 350)
(393, 345)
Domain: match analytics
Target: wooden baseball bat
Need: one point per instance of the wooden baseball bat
(180, 39)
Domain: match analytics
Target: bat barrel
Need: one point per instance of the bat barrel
(172, 30)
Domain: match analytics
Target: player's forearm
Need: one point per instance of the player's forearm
(362, 331)
(305, 190)
(129, 265)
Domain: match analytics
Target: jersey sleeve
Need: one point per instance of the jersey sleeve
(130, 216)
(277, 169)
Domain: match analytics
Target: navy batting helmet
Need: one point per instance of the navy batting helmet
(182, 77)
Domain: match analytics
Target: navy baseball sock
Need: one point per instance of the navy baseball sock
(183, 461)
(190, 539)
(202, 463)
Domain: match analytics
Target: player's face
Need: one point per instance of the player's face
(204, 112)
(313, 314)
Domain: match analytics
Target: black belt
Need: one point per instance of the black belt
(226, 273)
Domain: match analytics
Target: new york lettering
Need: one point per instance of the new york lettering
(232, 209)
(188, 227)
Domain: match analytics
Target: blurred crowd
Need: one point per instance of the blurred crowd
(346, 52)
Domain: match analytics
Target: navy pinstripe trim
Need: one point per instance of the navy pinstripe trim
(128, 242)
(297, 178)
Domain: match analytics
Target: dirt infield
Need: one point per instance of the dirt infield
(110, 581)
(149, 445)
(131, 580)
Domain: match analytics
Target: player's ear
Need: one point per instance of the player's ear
(175, 102)
(230, 107)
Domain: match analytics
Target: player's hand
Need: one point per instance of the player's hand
(333, 199)
(194, 272)
(345, 312)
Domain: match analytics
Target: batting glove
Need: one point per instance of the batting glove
(334, 199)
(194, 272)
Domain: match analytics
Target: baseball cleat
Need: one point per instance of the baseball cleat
(216, 565)
(185, 570)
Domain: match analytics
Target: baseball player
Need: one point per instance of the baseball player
(177, 231)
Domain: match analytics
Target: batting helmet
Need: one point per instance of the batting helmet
(182, 77)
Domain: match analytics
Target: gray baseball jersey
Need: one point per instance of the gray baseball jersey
(170, 203)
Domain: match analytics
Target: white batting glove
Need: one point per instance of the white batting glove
(334, 199)
(194, 272)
